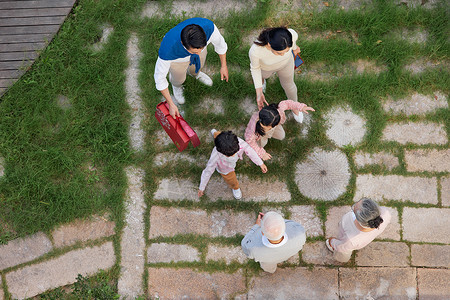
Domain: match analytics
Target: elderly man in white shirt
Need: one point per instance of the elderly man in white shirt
(273, 240)
(182, 50)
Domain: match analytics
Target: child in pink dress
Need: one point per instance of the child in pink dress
(266, 124)
(228, 150)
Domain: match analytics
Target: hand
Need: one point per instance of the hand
(200, 193)
(296, 51)
(306, 108)
(263, 168)
(224, 73)
(266, 156)
(258, 220)
(173, 111)
(261, 101)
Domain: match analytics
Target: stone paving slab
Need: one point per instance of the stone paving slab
(419, 65)
(383, 254)
(176, 190)
(415, 36)
(2, 168)
(63, 270)
(273, 191)
(416, 133)
(82, 231)
(132, 244)
(416, 104)
(166, 253)
(445, 191)
(248, 105)
(377, 283)
(172, 221)
(387, 160)
(107, 30)
(167, 283)
(344, 126)
(166, 158)
(210, 105)
(295, 283)
(430, 225)
(431, 160)
(430, 255)
(307, 216)
(317, 253)
(433, 283)
(205, 9)
(22, 250)
(396, 187)
(226, 253)
(335, 214)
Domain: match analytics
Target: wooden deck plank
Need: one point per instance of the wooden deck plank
(11, 74)
(36, 4)
(18, 56)
(8, 22)
(26, 26)
(26, 38)
(15, 64)
(29, 29)
(5, 83)
(35, 12)
(17, 47)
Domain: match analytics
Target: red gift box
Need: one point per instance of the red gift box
(178, 129)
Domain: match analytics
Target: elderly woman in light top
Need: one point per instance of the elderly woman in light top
(274, 52)
(358, 228)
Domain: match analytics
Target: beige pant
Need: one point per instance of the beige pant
(277, 133)
(286, 76)
(178, 70)
(268, 267)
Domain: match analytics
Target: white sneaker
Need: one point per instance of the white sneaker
(178, 94)
(298, 118)
(264, 86)
(205, 79)
(212, 132)
(237, 194)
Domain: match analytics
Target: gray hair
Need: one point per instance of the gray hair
(368, 212)
(272, 225)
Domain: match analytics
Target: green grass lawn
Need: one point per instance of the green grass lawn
(61, 165)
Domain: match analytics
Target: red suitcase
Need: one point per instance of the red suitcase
(178, 130)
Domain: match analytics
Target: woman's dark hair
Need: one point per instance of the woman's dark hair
(369, 214)
(268, 116)
(279, 38)
(193, 36)
(375, 223)
(227, 143)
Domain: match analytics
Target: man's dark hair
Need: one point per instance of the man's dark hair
(193, 36)
(227, 143)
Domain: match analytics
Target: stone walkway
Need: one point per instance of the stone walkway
(410, 260)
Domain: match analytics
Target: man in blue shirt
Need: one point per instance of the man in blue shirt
(182, 50)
